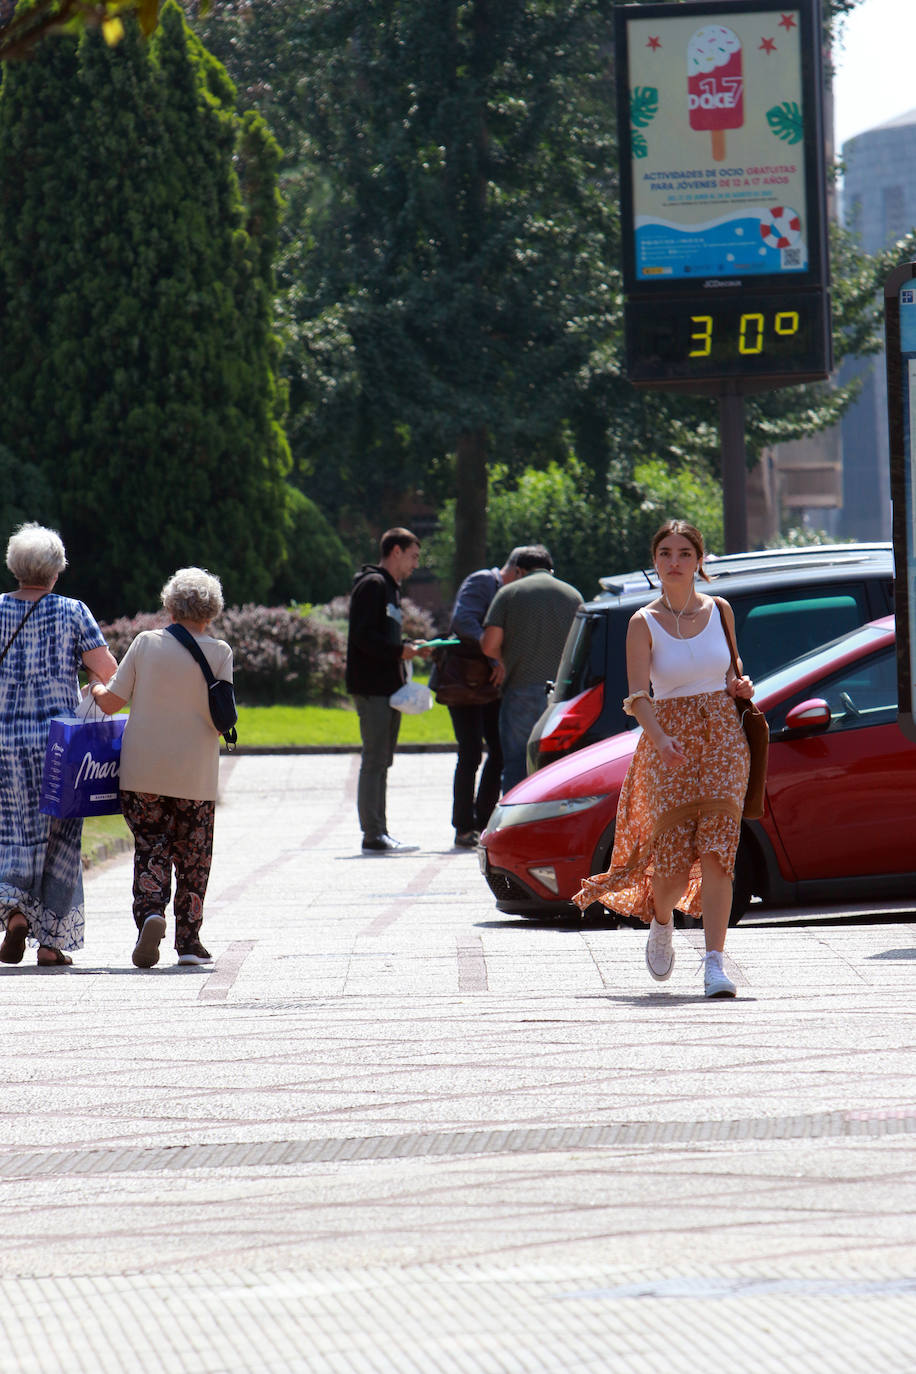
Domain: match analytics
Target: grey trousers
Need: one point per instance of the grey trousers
(379, 724)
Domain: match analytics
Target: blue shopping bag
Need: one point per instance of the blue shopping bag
(82, 763)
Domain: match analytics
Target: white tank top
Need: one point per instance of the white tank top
(687, 667)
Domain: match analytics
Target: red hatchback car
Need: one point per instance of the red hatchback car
(840, 820)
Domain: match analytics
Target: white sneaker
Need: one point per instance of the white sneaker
(659, 950)
(715, 980)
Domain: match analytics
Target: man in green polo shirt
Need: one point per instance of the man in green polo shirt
(525, 631)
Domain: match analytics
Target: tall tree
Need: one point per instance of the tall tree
(135, 313)
(451, 285)
(460, 210)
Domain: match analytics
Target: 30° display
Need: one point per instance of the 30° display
(687, 340)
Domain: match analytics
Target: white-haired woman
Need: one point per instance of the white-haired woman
(44, 641)
(170, 764)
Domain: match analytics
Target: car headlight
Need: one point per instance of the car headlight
(524, 813)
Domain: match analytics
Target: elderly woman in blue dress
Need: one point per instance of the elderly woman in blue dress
(45, 639)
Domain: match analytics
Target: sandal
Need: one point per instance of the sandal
(13, 947)
(59, 960)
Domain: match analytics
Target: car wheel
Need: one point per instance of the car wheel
(743, 889)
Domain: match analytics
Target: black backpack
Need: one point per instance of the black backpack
(221, 694)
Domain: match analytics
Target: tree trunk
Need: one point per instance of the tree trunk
(470, 503)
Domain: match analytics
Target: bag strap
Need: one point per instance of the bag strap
(728, 637)
(190, 643)
(9, 642)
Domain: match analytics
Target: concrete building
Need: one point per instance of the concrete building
(879, 204)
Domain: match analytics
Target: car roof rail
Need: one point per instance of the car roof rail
(725, 565)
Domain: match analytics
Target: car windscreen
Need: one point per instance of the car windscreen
(821, 660)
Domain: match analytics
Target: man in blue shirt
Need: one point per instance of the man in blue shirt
(477, 723)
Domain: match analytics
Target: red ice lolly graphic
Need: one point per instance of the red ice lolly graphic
(715, 84)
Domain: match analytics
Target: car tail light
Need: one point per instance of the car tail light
(570, 719)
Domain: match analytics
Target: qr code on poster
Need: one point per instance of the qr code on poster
(791, 257)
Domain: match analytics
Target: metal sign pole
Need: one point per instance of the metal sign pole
(734, 469)
(900, 337)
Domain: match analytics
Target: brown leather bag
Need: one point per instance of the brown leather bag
(757, 731)
(463, 677)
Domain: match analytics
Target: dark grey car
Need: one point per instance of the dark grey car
(786, 602)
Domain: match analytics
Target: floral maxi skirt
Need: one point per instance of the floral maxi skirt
(668, 818)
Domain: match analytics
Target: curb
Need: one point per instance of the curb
(337, 749)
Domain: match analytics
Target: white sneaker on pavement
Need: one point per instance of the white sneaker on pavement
(659, 950)
(715, 980)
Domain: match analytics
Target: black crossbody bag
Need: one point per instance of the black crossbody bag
(220, 694)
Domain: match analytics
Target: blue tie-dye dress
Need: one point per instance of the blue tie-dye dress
(40, 861)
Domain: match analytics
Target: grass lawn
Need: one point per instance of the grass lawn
(101, 835)
(267, 727)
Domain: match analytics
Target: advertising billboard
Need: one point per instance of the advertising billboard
(722, 189)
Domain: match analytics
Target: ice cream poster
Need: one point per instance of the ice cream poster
(717, 141)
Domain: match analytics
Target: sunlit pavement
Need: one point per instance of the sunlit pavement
(392, 1131)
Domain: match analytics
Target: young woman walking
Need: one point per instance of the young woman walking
(679, 815)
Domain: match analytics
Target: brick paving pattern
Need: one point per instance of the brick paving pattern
(392, 1130)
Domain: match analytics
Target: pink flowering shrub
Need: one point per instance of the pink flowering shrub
(279, 655)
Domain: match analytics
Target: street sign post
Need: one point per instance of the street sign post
(900, 338)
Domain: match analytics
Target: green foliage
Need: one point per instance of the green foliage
(452, 247)
(25, 494)
(316, 566)
(800, 537)
(135, 312)
(685, 493)
(453, 211)
(23, 27)
(589, 537)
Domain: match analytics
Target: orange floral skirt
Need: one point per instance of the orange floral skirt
(667, 818)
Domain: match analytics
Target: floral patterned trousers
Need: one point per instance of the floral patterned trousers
(170, 832)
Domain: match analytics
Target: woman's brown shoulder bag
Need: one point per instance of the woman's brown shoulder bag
(758, 736)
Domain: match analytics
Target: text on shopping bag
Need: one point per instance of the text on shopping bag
(82, 765)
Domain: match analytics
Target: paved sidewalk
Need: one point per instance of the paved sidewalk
(393, 1131)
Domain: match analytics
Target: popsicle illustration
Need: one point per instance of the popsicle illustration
(715, 84)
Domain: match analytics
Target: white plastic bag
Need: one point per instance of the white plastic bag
(413, 698)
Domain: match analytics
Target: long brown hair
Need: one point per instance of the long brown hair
(686, 531)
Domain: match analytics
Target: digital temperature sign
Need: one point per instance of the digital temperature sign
(754, 336)
(723, 197)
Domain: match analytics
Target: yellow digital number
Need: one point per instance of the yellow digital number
(787, 322)
(750, 334)
(701, 337)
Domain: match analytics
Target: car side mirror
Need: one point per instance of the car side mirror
(810, 715)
